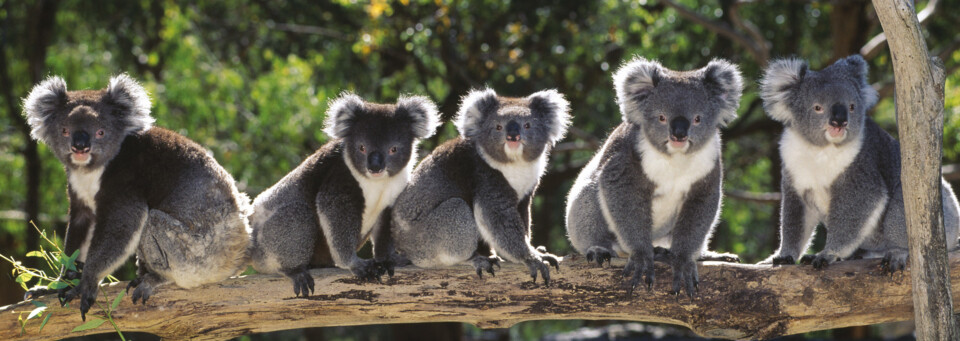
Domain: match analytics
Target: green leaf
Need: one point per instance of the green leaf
(44, 323)
(38, 303)
(71, 262)
(38, 254)
(57, 285)
(24, 278)
(36, 312)
(93, 323)
(116, 301)
(75, 282)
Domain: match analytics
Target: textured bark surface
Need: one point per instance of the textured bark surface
(736, 301)
(919, 101)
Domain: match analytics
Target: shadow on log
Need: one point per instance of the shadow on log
(736, 301)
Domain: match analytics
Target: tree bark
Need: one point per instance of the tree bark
(736, 301)
(919, 103)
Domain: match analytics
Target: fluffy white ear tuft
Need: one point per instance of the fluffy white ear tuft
(42, 103)
(778, 82)
(726, 80)
(422, 112)
(633, 82)
(554, 108)
(128, 94)
(473, 108)
(341, 113)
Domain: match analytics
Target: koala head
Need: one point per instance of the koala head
(379, 139)
(86, 128)
(511, 129)
(678, 111)
(827, 106)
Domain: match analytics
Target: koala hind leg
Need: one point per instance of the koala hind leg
(894, 260)
(445, 235)
(284, 241)
(144, 286)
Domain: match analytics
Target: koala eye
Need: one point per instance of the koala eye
(526, 126)
(362, 149)
(818, 108)
(65, 132)
(851, 107)
(663, 118)
(393, 150)
(499, 127)
(696, 119)
(100, 133)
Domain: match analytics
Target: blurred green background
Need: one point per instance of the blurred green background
(251, 79)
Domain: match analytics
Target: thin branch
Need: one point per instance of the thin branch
(759, 49)
(876, 44)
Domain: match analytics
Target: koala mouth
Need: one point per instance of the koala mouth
(378, 174)
(513, 144)
(836, 133)
(678, 144)
(80, 158)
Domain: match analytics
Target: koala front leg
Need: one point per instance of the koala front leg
(797, 224)
(689, 236)
(501, 225)
(628, 215)
(120, 222)
(852, 219)
(82, 220)
(341, 220)
(384, 249)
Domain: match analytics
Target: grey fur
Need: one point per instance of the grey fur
(850, 182)
(333, 201)
(138, 189)
(475, 188)
(639, 192)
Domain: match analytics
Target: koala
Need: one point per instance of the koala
(135, 188)
(479, 186)
(653, 191)
(839, 167)
(341, 195)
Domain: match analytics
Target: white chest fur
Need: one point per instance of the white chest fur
(674, 174)
(85, 184)
(521, 174)
(378, 194)
(814, 168)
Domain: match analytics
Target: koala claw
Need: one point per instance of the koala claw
(553, 260)
(367, 270)
(386, 266)
(302, 283)
(807, 259)
(638, 268)
(485, 263)
(783, 260)
(819, 261)
(87, 294)
(600, 254)
(893, 262)
(537, 265)
(685, 277)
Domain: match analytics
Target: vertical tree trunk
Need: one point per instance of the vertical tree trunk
(919, 102)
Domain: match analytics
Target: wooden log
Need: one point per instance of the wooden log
(919, 102)
(736, 301)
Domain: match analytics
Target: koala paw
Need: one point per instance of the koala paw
(599, 254)
(87, 294)
(638, 267)
(367, 270)
(685, 277)
(386, 266)
(893, 261)
(783, 260)
(302, 281)
(485, 263)
(538, 264)
(819, 261)
(550, 258)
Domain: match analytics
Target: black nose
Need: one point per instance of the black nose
(678, 128)
(513, 131)
(80, 142)
(838, 115)
(375, 162)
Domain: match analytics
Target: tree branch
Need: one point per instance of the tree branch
(759, 49)
(876, 44)
(736, 301)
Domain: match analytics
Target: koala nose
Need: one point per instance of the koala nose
(80, 142)
(678, 128)
(375, 162)
(513, 131)
(838, 115)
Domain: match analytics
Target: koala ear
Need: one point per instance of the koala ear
(422, 112)
(858, 68)
(724, 79)
(341, 114)
(634, 82)
(474, 107)
(42, 103)
(134, 102)
(779, 80)
(550, 105)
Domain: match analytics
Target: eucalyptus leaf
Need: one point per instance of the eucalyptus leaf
(93, 323)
